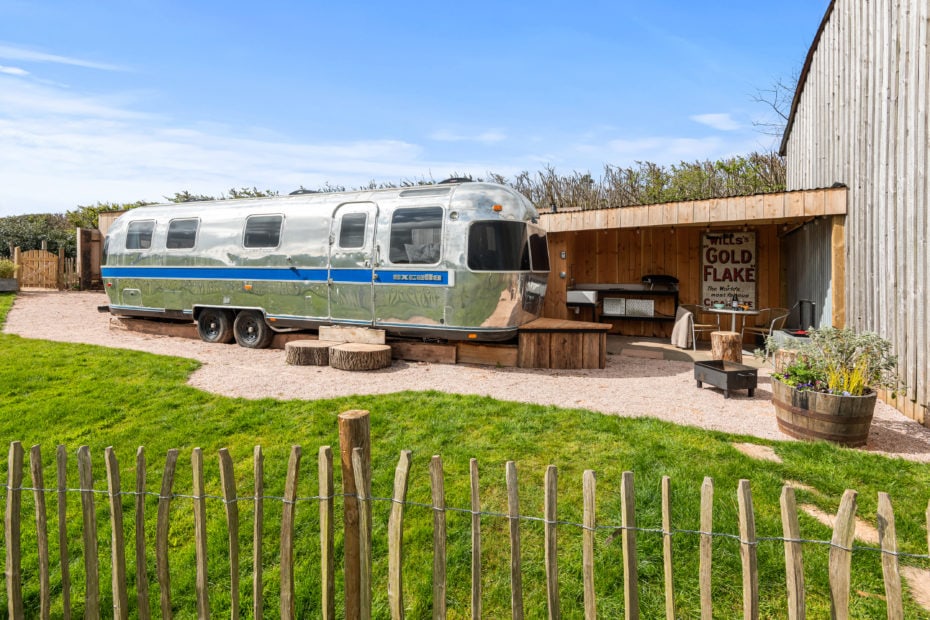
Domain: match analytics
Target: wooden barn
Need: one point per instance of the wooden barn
(859, 118)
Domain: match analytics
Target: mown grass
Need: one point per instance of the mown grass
(55, 393)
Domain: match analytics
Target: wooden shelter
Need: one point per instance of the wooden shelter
(860, 117)
(618, 246)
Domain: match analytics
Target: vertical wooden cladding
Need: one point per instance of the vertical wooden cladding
(862, 120)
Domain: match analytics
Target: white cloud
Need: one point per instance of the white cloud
(721, 122)
(11, 52)
(61, 149)
(13, 71)
(487, 137)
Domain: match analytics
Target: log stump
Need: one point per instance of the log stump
(307, 352)
(358, 356)
(726, 346)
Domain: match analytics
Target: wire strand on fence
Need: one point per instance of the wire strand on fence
(483, 513)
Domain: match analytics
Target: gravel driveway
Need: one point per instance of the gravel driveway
(629, 386)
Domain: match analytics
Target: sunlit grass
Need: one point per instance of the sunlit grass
(55, 393)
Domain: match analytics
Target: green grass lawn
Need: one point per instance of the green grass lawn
(54, 393)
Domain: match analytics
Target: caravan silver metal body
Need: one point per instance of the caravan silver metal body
(450, 261)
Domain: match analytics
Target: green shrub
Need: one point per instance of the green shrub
(7, 268)
(841, 361)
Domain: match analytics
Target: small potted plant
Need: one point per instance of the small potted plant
(8, 275)
(829, 390)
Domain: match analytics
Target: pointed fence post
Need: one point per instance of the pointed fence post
(844, 532)
(354, 432)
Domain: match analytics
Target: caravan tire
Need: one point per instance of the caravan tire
(251, 330)
(215, 326)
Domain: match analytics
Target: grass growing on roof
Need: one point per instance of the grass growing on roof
(55, 393)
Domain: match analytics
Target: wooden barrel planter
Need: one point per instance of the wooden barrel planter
(814, 415)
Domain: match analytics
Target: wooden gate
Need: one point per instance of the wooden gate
(39, 269)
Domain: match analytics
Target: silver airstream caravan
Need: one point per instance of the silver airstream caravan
(458, 260)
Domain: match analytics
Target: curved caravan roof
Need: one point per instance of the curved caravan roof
(459, 195)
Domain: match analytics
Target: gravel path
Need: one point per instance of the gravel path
(629, 386)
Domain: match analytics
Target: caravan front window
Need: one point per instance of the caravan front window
(498, 246)
(139, 235)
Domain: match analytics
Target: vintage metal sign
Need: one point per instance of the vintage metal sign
(728, 267)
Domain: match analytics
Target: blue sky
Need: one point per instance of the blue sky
(138, 99)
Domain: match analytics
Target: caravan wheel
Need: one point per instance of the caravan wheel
(251, 330)
(215, 326)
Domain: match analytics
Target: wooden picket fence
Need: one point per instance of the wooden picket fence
(357, 537)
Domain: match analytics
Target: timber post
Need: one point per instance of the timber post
(354, 432)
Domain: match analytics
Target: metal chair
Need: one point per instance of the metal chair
(698, 324)
(767, 321)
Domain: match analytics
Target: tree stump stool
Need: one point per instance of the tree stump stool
(358, 356)
(784, 358)
(726, 346)
(308, 352)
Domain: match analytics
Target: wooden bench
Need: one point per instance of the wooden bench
(557, 343)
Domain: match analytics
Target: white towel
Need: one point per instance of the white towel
(681, 332)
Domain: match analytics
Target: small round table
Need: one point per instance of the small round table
(733, 312)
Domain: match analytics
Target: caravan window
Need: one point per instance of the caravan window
(416, 236)
(263, 231)
(352, 230)
(539, 251)
(498, 246)
(139, 235)
(182, 234)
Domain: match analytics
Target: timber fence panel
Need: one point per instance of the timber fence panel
(889, 543)
(287, 534)
(117, 538)
(38, 485)
(142, 575)
(550, 511)
(389, 577)
(89, 522)
(327, 534)
(363, 487)
(747, 551)
(396, 537)
(12, 531)
(794, 564)
(258, 522)
(513, 514)
(589, 517)
(667, 547)
(844, 532)
(161, 533)
(231, 505)
(475, 540)
(706, 549)
(61, 478)
(200, 535)
(438, 493)
(630, 570)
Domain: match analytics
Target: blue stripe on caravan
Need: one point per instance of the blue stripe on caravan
(351, 276)
(216, 273)
(279, 274)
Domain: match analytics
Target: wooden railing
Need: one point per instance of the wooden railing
(357, 537)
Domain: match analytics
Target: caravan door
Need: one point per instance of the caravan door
(351, 255)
